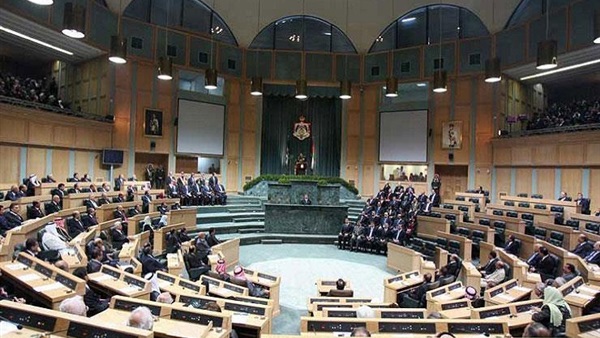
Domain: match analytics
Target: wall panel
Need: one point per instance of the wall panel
(545, 154)
(36, 161)
(521, 156)
(571, 181)
(523, 181)
(10, 164)
(545, 182)
(503, 180)
(592, 155)
(570, 154)
(595, 189)
(60, 164)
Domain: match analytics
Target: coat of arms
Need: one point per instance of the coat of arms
(301, 129)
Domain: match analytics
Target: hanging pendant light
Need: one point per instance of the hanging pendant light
(597, 27)
(118, 44)
(73, 21)
(42, 2)
(256, 86)
(301, 90)
(345, 89)
(547, 55)
(391, 87)
(493, 72)
(210, 79)
(165, 68)
(440, 81)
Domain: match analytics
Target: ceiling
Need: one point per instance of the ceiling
(29, 50)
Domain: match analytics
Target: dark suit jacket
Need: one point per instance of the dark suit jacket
(212, 240)
(118, 239)
(94, 266)
(52, 208)
(585, 205)
(305, 201)
(583, 249)
(75, 227)
(546, 267)
(13, 219)
(94, 303)
(102, 201)
(435, 200)
(89, 221)
(120, 215)
(594, 257)
(33, 213)
(490, 267)
(150, 264)
(118, 200)
(534, 259)
(11, 196)
(453, 268)
(3, 225)
(512, 247)
(132, 212)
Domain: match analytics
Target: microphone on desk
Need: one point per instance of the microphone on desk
(17, 325)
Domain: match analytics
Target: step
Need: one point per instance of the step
(251, 230)
(228, 228)
(256, 238)
(271, 241)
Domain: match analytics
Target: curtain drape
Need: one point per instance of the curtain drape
(280, 149)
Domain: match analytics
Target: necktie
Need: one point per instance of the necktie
(397, 234)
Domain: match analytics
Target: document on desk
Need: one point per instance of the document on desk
(16, 266)
(49, 287)
(581, 295)
(130, 289)
(521, 289)
(102, 278)
(505, 296)
(239, 318)
(588, 290)
(6, 328)
(29, 277)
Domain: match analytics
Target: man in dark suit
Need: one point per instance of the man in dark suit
(95, 264)
(453, 266)
(594, 256)
(103, 199)
(32, 247)
(75, 225)
(435, 198)
(13, 194)
(172, 190)
(202, 247)
(584, 203)
(213, 181)
(305, 200)
(119, 182)
(345, 234)
(163, 208)
(220, 194)
(212, 239)
(3, 221)
(546, 266)
(584, 247)
(512, 246)
(119, 213)
(91, 299)
(535, 257)
(118, 237)
(13, 218)
(149, 263)
(419, 293)
(60, 192)
(119, 198)
(564, 197)
(53, 206)
(146, 199)
(35, 211)
(194, 264)
(90, 218)
(135, 210)
(490, 267)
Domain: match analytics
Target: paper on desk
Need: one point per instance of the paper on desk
(102, 278)
(239, 318)
(29, 277)
(588, 290)
(581, 295)
(16, 266)
(48, 287)
(129, 289)
(505, 296)
(521, 288)
(443, 296)
(6, 328)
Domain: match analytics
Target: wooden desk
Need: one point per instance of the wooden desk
(134, 226)
(539, 215)
(569, 207)
(507, 292)
(175, 263)
(379, 313)
(517, 314)
(579, 295)
(106, 211)
(459, 215)
(222, 288)
(76, 200)
(527, 243)
(313, 302)
(155, 203)
(160, 237)
(444, 293)
(403, 259)
(454, 309)
(399, 284)
(40, 281)
(75, 258)
(470, 276)
(512, 224)
(465, 250)
(488, 232)
(186, 216)
(228, 250)
(468, 208)
(481, 198)
(179, 286)
(112, 281)
(570, 235)
(269, 282)
(584, 327)
(324, 286)
(429, 226)
(40, 320)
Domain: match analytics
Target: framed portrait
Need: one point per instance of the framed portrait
(452, 135)
(153, 122)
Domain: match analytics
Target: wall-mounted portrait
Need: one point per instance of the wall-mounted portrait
(452, 135)
(153, 125)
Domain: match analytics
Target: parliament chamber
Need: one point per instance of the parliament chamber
(279, 168)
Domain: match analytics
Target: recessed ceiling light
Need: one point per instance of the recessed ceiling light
(34, 40)
(411, 19)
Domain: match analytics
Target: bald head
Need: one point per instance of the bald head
(141, 318)
(165, 298)
(74, 306)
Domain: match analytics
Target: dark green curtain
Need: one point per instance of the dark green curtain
(279, 149)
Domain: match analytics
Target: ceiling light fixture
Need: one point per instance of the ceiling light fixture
(547, 53)
(421, 84)
(301, 90)
(42, 2)
(118, 44)
(493, 73)
(256, 86)
(411, 19)
(165, 63)
(34, 40)
(391, 87)
(440, 77)
(210, 75)
(345, 83)
(560, 70)
(597, 27)
(73, 21)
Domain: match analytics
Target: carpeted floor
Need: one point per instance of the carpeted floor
(301, 265)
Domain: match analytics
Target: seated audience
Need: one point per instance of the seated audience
(3, 222)
(74, 305)
(577, 112)
(89, 219)
(546, 265)
(494, 278)
(512, 245)
(51, 240)
(35, 211)
(535, 257)
(119, 213)
(490, 266)
(141, 318)
(584, 247)
(95, 263)
(568, 272)
(554, 311)
(13, 194)
(202, 247)
(254, 290)
(13, 218)
(149, 263)
(594, 256)
(135, 210)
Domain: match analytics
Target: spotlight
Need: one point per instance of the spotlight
(42, 2)
(118, 50)
(547, 55)
(165, 68)
(345, 89)
(256, 86)
(301, 90)
(597, 27)
(210, 79)
(73, 21)
(440, 81)
(391, 87)
(493, 73)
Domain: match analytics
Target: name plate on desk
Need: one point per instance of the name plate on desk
(134, 282)
(66, 281)
(452, 306)
(395, 279)
(234, 288)
(197, 303)
(496, 292)
(196, 318)
(438, 293)
(112, 273)
(324, 300)
(166, 278)
(268, 277)
(43, 270)
(341, 314)
(328, 283)
(321, 306)
(80, 330)
(30, 319)
(527, 307)
(245, 308)
(125, 305)
(24, 260)
(357, 300)
(482, 328)
(423, 328)
(252, 300)
(317, 326)
(402, 314)
(494, 313)
(189, 285)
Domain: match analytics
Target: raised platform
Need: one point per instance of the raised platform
(304, 219)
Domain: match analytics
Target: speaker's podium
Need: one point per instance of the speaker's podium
(301, 166)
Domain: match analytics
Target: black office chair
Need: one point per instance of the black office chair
(509, 203)
(540, 233)
(556, 238)
(454, 247)
(593, 228)
(537, 196)
(573, 224)
(522, 194)
(340, 293)
(464, 232)
(484, 221)
(498, 213)
(512, 214)
(447, 280)
(540, 206)
(523, 205)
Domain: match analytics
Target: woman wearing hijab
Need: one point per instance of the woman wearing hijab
(254, 290)
(163, 221)
(554, 312)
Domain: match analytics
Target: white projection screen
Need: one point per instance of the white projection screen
(403, 136)
(200, 128)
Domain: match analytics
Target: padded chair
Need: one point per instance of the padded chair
(340, 293)
(477, 208)
(529, 228)
(522, 194)
(448, 206)
(593, 228)
(464, 232)
(450, 217)
(573, 224)
(540, 206)
(454, 247)
(430, 246)
(509, 203)
(556, 238)
(557, 209)
(500, 229)
(474, 200)
(540, 233)
(447, 280)
(436, 215)
(528, 217)
(442, 243)
(460, 198)
(508, 273)
(498, 213)
(484, 221)
(523, 205)
(463, 208)
(538, 196)
(512, 214)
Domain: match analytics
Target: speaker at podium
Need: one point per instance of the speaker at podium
(301, 167)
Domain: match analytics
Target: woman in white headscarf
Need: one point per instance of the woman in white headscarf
(51, 240)
(147, 224)
(163, 221)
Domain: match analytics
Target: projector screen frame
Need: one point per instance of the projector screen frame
(428, 133)
(176, 133)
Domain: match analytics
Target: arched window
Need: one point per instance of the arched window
(303, 33)
(529, 9)
(192, 15)
(422, 26)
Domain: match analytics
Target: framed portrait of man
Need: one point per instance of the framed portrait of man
(452, 135)
(153, 123)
